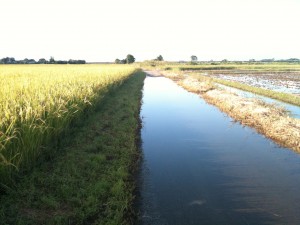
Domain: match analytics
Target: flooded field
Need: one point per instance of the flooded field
(293, 110)
(200, 167)
(288, 81)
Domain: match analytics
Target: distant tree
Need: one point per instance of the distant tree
(117, 61)
(130, 59)
(194, 59)
(4, 60)
(12, 60)
(268, 60)
(31, 61)
(51, 60)
(159, 58)
(293, 60)
(72, 61)
(81, 61)
(8, 60)
(42, 61)
(62, 62)
(224, 61)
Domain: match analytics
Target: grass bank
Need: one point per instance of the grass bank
(89, 181)
(267, 119)
(285, 97)
(215, 66)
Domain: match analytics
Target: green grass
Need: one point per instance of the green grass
(279, 67)
(275, 67)
(38, 103)
(90, 179)
(256, 67)
(289, 98)
(184, 68)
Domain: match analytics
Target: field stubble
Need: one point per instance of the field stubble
(267, 119)
(287, 82)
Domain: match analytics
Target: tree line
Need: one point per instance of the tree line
(128, 60)
(11, 60)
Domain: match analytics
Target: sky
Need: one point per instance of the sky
(97, 30)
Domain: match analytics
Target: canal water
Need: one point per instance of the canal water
(200, 167)
(293, 110)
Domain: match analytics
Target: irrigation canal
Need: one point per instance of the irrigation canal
(199, 167)
(293, 110)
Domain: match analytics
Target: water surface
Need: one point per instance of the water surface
(294, 111)
(200, 167)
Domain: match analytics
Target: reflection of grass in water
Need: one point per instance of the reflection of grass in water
(267, 119)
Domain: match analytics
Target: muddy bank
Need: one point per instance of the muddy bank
(267, 119)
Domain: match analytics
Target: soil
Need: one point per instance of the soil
(287, 81)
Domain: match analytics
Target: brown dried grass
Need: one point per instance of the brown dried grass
(269, 120)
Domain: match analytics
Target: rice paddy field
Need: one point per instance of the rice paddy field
(72, 137)
(281, 78)
(279, 81)
(38, 103)
(276, 80)
(69, 143)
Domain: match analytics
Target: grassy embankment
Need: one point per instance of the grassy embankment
(285, 97)
(270, 67)
(278, 67)
(267, 119)
(89, 180)
(256, 66)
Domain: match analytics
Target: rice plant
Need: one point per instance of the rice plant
(39, 102)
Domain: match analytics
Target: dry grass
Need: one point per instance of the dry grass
(193, 85)
(267, 119)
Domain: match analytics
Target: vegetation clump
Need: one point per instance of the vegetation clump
(39, 103)
(128, 60)
(159, 58)
(285, 97)
(12, 60)
(90, 180)
(267, 119)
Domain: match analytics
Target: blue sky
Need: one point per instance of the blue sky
(98, 30)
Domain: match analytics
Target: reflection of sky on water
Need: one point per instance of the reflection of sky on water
(201, 168)
(294, 110)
